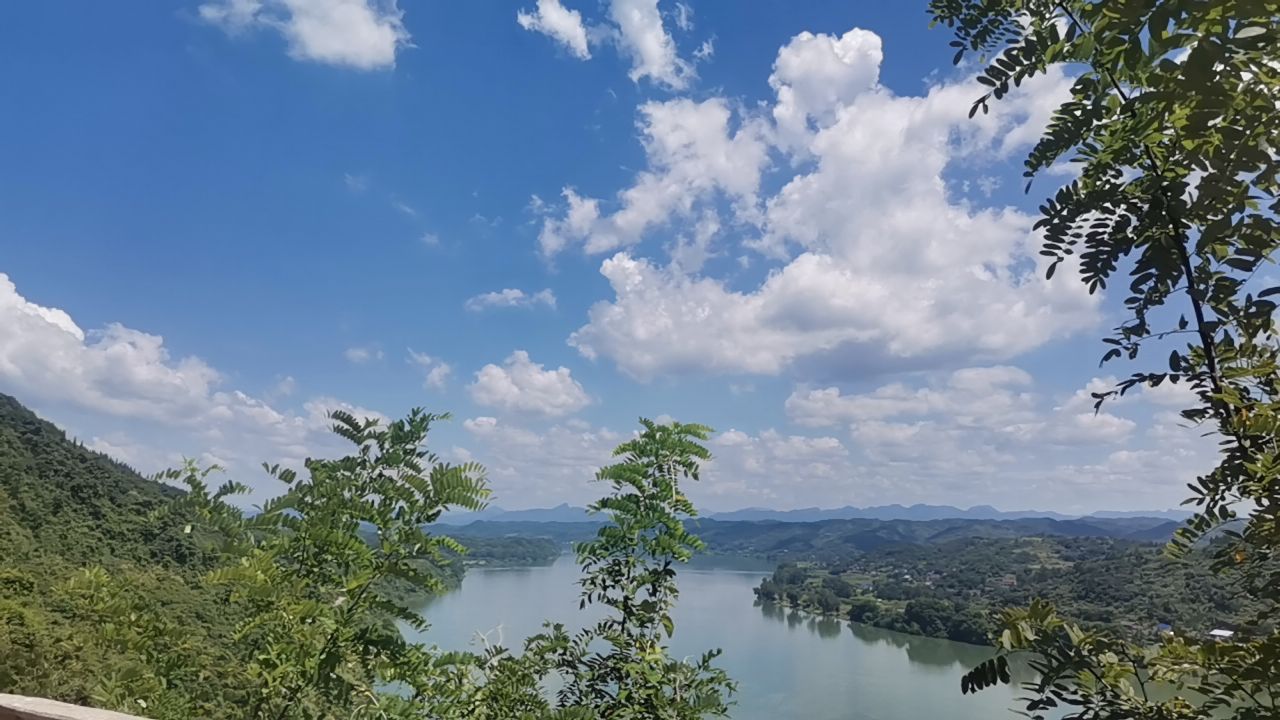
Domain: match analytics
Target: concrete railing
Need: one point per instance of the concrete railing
(16, 707)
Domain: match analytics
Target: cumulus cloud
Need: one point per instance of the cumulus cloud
(361, 34)
(693, 151)
(559, 23)
(651, 48)
(549, 465)
(509, 298)
(815, 76)
(976, 435)
(114, 370)
(546, 466)
(521, 385)
(877, 262)
(990, 407)
(635, 26)
(988, 433)
(777, 470)
(125, 391)
(436, 372)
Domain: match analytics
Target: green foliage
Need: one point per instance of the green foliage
(311, 570)
(1171, 124)
(295, 611)
(57, 496)
(95, 588)
(620, 667)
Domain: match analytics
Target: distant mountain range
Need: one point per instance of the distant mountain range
(565, 513)
(833, 539)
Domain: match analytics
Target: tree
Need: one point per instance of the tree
(1171, 126)
(839, 586)
(314, 571)
(828, 603)
(619, 668)
(930, 616)
(863, 609)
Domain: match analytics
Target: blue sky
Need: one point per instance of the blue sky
(220, 218)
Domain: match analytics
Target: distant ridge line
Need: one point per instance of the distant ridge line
(571, 513)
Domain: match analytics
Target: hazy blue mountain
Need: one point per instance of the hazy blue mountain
(570, 513)
(1178, 515)
(826, 539)
(560, 513)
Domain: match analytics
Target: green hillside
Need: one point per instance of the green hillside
(954, 589)
(60, 499)
(84, 543)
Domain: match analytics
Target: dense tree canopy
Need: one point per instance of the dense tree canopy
(954, 590)
(1171, 128)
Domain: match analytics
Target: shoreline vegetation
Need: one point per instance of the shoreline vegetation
(955, 590)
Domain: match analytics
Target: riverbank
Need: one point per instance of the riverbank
(954, 590)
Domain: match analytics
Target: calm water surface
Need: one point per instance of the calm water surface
(787, 665)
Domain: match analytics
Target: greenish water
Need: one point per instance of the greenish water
(787, 665)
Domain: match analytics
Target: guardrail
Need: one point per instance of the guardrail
(17, 707)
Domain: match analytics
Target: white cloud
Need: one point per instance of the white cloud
(284, 387)
(318, 410)
(815, 76)
(430, 239)
(693, 151)
(706, 50)
(971, 436)
(522, 385)
(983, 424)
(634, 26)
(559, 23)
(684, 17)
(123, 389)
(548, 466)
(985, 435)
(880, 263)
(992, 407)
(651, 48)
(115, 370)
(1177, 396)
(511, 297)
(361, 355)
(776, 470)
(969, 395)
(361, 34)
(436, 372)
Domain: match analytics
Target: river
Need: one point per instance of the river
(787, 665)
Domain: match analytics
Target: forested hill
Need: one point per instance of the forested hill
(830, 539)
(58, 497)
